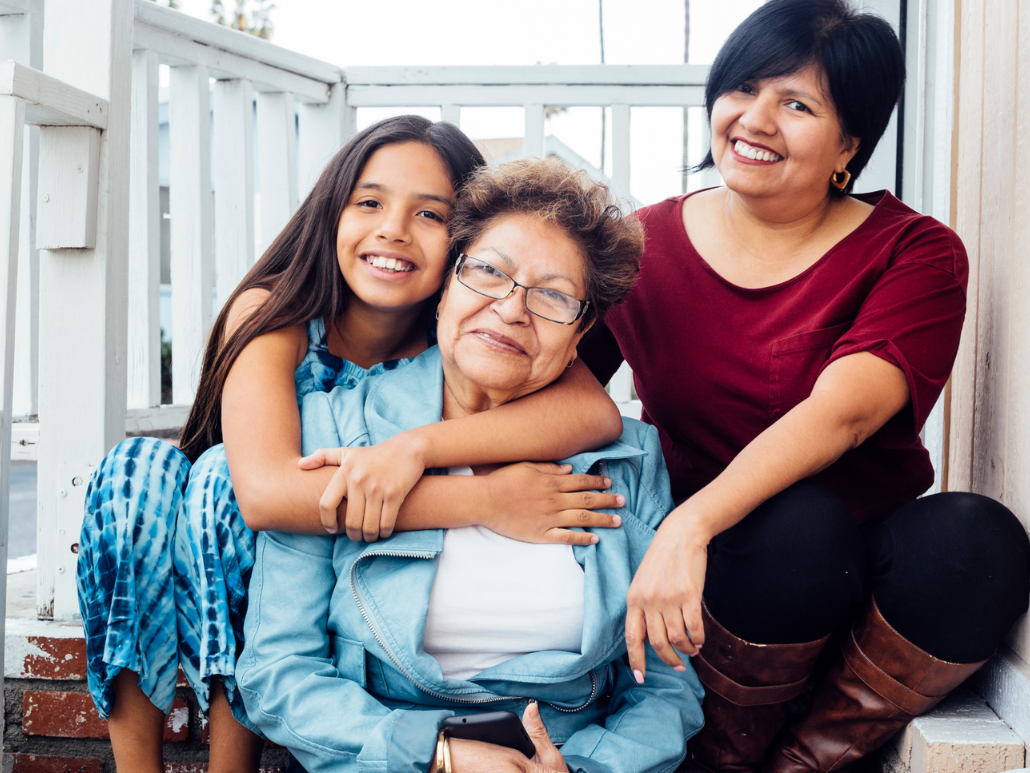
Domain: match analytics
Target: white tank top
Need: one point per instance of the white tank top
(496, 598)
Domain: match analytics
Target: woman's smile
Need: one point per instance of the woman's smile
(498, 341)
(752, 151)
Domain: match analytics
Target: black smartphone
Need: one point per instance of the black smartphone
(501, 728)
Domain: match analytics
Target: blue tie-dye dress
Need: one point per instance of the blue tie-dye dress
(165, 558)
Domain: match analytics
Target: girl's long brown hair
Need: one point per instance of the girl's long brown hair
(300, 269)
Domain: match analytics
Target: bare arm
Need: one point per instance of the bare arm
(261, 429)
(851, 400)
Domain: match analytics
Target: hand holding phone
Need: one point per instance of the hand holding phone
(501, 728)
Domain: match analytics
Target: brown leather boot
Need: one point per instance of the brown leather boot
(879, 682)
(747, 687)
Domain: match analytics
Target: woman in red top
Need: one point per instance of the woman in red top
(788, 340)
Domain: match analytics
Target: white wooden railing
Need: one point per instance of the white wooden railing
(88, 303)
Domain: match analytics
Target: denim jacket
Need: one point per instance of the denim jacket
(334, 666)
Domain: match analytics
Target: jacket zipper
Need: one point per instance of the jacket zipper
(399, 667)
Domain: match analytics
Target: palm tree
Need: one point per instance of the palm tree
(250, 16)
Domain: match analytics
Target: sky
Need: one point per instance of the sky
(526, 32)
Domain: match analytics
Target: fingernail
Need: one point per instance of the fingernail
(679, 668)
(621, 500)
(638, 676)
(330, 529)
(566, 466)
(594, 539)
(616, 520)
(607, 482)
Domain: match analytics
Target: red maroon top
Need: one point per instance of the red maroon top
(715, 364)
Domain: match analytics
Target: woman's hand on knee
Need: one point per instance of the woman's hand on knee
(541, 502)
(374, 480)
(664, 599)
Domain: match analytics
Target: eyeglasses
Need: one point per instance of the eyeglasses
(485, 279)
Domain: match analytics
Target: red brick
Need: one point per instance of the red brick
(180, 679)
(39, 763)
(58, 659)
(73, 715)
(205, 734)
(201, 767)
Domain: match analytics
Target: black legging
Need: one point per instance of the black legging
(950, 572)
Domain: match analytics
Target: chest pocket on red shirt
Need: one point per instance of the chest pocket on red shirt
(795, 365)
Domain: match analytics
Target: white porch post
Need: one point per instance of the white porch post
(83, 320)
(12, 114)
(21, 39)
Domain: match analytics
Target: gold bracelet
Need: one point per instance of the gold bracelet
(446, 755)
(440, 744)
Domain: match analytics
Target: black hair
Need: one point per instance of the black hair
(300, 268)
(858, 54)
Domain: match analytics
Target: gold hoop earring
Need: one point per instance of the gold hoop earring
(837, 183)
(437, 313)
(570, 363)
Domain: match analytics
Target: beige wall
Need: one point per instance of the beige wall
(989, 438)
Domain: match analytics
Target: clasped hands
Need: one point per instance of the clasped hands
(527, 501)
(536, 502)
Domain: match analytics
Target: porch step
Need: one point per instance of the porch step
(51, 725)
(961, 735)
(50, 722)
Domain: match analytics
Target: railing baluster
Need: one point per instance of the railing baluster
(12, 132)
(189, 126)
(234, 183)
(533, 144)
(144, 343)
(620, 150)
(323, 130)
(277, 163)
(21, 39)
(451, 114)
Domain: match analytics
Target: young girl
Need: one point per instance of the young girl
(345, 291)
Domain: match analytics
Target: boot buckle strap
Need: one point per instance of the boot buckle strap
(742, 695)
(882, 683)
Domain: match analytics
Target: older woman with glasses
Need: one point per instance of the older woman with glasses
(357, 653)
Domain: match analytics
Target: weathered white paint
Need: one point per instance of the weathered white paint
(277, 163)
(69, 172)
(21, 39)
(989, 447)
(1004, 682)
(323, 130)
(51, 101)
(189, 141)
(533, 142)
(83, 309)
(234, 184)
(144, 366)
(155, 419)
(12, 133)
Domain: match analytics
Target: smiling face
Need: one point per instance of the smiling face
(392, 241)
(495, 351)
(779, 137)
